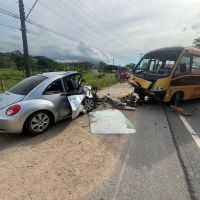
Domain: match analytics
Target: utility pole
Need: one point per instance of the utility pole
(113, 62)
(24, 38)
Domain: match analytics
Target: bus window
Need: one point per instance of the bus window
(184, 66)
(196, 65)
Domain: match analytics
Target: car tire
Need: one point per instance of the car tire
(89, 104)
(38, 123)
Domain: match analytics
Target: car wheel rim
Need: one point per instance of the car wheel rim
(89, 104)
(40, 122)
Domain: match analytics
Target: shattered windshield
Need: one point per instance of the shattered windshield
(160, 62)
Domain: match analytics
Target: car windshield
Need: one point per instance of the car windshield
(159, 62)
(25, 86)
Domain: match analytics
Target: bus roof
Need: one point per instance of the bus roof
(191, 50)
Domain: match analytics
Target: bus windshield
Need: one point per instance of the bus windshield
(157, 63)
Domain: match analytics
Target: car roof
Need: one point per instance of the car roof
(58, 74)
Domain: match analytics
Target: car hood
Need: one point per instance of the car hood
(8, 98)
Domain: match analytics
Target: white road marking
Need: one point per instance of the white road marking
(191, 131)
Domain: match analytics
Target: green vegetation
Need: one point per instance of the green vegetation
(99, 80)
(11, 70)
(197, 42)
(12, 76)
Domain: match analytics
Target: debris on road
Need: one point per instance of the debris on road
(181, 111)
(127, 102)
(110, 121)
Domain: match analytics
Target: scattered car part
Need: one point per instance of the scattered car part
(100, 122)
(180, 111)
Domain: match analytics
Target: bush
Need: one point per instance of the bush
(101, 75)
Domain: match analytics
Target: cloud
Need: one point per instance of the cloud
(80, 52)
(137, 27)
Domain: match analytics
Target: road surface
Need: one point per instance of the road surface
(161, 161)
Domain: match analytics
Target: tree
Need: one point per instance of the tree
(45, 64)
(18, 58)
(2, 60)
(102, 66)
(197, 43)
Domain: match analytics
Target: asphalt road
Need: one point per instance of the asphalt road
(187, 148)
(161, 161)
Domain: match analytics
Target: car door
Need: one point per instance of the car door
(55, 93)
(74, 96)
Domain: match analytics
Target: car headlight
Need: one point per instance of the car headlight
(157, 89)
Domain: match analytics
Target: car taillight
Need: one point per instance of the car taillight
(12, 110)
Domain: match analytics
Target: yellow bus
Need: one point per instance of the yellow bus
(169, 74)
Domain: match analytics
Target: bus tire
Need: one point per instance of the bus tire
(176, 98)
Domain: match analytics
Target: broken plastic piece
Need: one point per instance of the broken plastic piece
(110, 122)
(180, 111)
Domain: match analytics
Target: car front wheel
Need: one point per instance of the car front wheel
(89, 104)
(38, 123)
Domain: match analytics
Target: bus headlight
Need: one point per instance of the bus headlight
(157, 89)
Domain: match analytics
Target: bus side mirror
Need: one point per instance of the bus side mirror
(133, 68)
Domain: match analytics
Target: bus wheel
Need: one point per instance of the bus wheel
(176, 98)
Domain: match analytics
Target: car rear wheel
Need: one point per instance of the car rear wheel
(38, 123)
(89, 104)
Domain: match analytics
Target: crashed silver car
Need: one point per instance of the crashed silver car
(38, 101)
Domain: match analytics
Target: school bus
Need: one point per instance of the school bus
(169, 74)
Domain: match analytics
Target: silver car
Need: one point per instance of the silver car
(38, 101)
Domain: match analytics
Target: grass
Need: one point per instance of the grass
(12, 76)
(99, 82)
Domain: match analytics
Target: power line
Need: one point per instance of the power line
(9, 26)
(69, 12)
(62, 16)
(44, 28)
(11, 5)
(9, 13)
(93, 16)
(74, 13)
(60, 34)
(31, 9)
(52, 31)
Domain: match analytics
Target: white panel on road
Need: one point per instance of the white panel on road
(110, 121)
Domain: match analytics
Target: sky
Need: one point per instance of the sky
(91, 30)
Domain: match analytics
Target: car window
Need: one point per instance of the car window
(25, 86)
(196, 65)
(69, 83)
(54, 88)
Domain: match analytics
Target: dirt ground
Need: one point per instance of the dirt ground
(64, 163)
